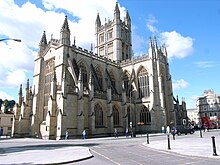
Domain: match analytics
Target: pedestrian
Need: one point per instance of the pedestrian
(84, 134)
(168, 129)
(116, 133)
(163, 130)
(67, 134)
(173, 132)
(126, 132)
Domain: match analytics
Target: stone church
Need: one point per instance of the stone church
(76, 89)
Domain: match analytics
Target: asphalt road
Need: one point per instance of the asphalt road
(115, 151)
(131, 151)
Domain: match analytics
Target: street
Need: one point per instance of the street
(131, 151)
(122, 150)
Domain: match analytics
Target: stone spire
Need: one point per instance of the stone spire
(27, 90)
(155, 42)
(20, 95)
(65, 26)
(97, 22)
(127, 19)
(65, 33)
(43, 40)
(164, 50)
(27, 85)
(43, 43)
(149, 43)
(117, 13)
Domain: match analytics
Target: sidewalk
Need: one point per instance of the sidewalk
(41, 155)
(192, 145)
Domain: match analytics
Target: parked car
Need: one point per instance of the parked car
(184, 130)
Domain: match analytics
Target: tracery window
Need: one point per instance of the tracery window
(145, 115)
(49, 72)
(99, 76)
(98, 115)
(143, 83)
(101, 51)
(84, 75)
(115, 116)
(110, 50)
(101, 38)
(112, 82)
(126, 83)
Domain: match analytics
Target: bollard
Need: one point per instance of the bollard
(200, 133)
(147, 138)
(214, 147)
(168, 139)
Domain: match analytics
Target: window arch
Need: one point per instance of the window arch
(126, 82)
(143, 83)
(49, 73)
(145, 115)
(84, 74)
(112, 81)
(98, 115)
(99, 76)
(115, 116)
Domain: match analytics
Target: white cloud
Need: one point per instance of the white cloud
(177, 45)
(206, 64)
(180, 84)
(191, 101)
(27, 22)
(150, 24)
(4, 95)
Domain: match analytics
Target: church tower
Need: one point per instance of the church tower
(113, 39)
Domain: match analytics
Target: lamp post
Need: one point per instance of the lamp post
(4, 39)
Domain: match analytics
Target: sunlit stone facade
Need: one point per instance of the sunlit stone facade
(76, 89)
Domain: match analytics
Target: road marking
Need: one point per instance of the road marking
(105, 157)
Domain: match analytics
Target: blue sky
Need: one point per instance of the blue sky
(190, 29)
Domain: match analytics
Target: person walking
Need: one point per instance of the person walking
(84, 134)
(67, 134)
(173, 132)
(126, 132)
(116, 133)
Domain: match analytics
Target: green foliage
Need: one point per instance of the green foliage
(9, 104)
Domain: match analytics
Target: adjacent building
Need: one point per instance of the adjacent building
(208, 107)
(76, 89)
(181, 112)
(6, 120)
(193, 115)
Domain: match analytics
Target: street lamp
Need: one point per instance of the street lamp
(4, 39)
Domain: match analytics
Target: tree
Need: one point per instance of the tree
(9, 104)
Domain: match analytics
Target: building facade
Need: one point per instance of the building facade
(6, 120)
(76, 89)
(193, 115)
(181, 112)
(208, 107)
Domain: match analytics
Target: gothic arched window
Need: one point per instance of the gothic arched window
(126, 82)
(99, 76)
(112, 81)
(115, 116)
(49, 73)
(145, 115)
(143, 83)
(84, 74)
(98, 115)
